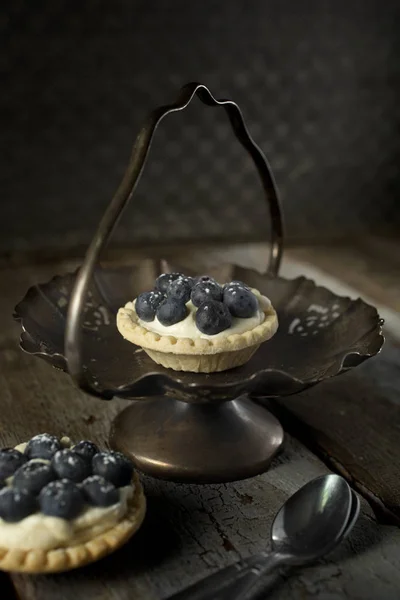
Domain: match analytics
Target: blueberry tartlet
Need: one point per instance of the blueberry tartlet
(198, 325)
(63, 505)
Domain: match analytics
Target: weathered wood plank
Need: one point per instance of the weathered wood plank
(369, 264)
(354, 422)
(191, 530)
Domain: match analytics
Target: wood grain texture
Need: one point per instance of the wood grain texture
(353, 422)
(192, 530)
(369, 264)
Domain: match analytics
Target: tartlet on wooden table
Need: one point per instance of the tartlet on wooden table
(87, 544)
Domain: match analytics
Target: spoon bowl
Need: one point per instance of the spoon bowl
(312, 521)
(354, 514)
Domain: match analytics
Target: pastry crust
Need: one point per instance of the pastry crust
(203, 363)
(131, 330)
(71, 557)
(198, 355)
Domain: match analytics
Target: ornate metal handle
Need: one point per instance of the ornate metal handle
(73, 331)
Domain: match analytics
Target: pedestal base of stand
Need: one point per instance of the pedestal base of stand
(197, 443)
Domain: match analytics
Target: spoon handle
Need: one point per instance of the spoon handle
(210, 587)
(249, 584)
(231, 582)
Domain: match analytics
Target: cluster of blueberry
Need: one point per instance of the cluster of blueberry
(216, 304)
(59, 481)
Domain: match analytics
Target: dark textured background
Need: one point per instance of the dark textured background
(318, 83)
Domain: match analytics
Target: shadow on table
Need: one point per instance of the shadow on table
(154, 541)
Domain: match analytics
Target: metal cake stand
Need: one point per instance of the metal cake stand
(184, 426)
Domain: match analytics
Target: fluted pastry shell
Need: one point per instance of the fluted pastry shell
(77, 555)
(197, 354)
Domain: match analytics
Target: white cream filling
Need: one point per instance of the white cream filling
(188, 329)
(44, 532)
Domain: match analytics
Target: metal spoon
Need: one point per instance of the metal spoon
(257, 583)
(308, 526)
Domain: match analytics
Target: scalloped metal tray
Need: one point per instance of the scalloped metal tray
(320, 335)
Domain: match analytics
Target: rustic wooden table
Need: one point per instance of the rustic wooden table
(350, 425)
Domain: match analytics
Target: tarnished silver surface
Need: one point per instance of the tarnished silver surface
(71, 322)
(198, 443)
(124, 193)
(320, 335)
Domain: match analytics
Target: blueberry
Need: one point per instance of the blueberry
(62, 499)
(186, 279)
(236, 282)
(43, 446)
(147, 303)
(171, 311)
(163, 281)
(114, 467)
(204, 291)
(10, 461)
(204, 279)
(240, 301)
(180, 289)
(16, 504)
(99, 491)
(33, 476)
(68, 464)
(86, 449)
(213, 317)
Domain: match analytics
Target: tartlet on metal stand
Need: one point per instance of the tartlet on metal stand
(185, 426)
